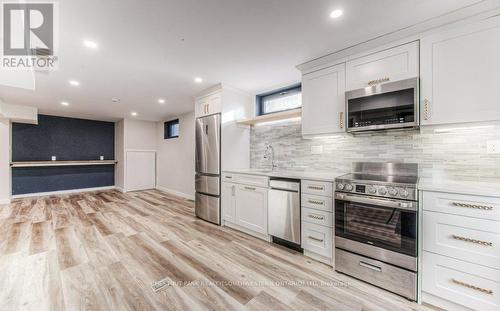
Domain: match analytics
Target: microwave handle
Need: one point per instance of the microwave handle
(411, 206)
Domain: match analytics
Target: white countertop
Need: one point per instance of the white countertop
(481, 187)
(311, 175)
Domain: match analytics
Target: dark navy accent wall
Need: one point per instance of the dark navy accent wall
(65, 138)
(68, 139)
(56, 178)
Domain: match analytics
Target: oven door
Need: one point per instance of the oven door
(384, 223)
(386, 106)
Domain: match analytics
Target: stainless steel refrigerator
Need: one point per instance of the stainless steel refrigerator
(207, 179)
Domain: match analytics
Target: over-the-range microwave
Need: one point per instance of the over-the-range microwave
(392, 105)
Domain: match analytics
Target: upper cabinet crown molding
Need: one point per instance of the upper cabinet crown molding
(394, 64)
(459, 74)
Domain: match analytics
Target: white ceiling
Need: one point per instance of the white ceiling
(150, 49)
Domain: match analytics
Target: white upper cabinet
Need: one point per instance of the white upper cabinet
(460, 74)
(390, 65)
(323, 101)
(208, 104)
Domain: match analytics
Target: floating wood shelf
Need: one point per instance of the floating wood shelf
(62, 163)
(289, 114)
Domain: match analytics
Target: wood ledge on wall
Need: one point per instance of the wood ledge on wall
(278, 116)
(62, 163)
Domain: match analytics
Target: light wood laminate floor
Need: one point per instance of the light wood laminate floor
(105, 251)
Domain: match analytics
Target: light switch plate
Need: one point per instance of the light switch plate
(316, 149)
(493, 147)
(54, 158)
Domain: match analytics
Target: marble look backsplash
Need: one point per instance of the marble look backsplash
(441, 151)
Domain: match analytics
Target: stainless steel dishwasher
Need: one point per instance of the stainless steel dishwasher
(284, 211)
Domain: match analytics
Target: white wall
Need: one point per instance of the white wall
(139, 135)
(4, 161)
(175, 158)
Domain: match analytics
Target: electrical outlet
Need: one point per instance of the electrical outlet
(493, 147)
(54, 158)
(317, 149)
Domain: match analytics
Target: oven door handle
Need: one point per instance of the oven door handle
(405, 205)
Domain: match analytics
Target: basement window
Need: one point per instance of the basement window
(280, 100)
(171, 129)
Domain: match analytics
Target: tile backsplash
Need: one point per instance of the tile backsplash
(452, 151)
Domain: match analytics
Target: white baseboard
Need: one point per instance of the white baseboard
(175, 192)
(120, 189)
(41, 194)
(4, 201)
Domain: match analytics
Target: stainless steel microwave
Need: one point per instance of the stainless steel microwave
(393, 105)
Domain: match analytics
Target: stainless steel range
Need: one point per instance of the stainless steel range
(376, 220)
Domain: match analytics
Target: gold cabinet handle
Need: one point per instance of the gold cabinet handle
(316, 187)
(317, 217)
(378, 81)
(233, 191)
(316, 202)
(480, 289)
(315, 239)
(341, 120)
(426, 110)
(461, 238)
(250, 188)
(475, 206)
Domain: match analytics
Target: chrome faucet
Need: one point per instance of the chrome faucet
(269, 154)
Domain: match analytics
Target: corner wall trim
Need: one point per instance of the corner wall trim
(40, 194)
(175, 192)
(4, 201)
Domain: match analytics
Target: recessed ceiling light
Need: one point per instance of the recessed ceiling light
(74, 82)
(336, 13)
(198, 80)
(90, 44)
(133, 113)
(161, 101)
(115, 99)
(64, 104)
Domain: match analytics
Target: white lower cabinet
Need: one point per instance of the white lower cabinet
(228, 201)
(245, 208)
(317, 220)
(251, 208)
(466, 284)
(317, 239)
(460, 256)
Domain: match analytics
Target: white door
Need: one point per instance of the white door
(140, 171)
(251, 208)
(398, 63)
(323, 101)
(228, 201)
(460, 74)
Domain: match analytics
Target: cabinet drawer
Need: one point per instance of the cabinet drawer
(388, 277)
(252, 180)
(464, 238)
(466, 284)
(317, 202)
(465, 205)
(317, 217)
(317, 239)
(317, 188)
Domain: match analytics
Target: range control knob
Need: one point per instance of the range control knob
(371, 190)
(340, 186)
(392, 191)
(382, 191)
(349, 187)
(404, 193)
